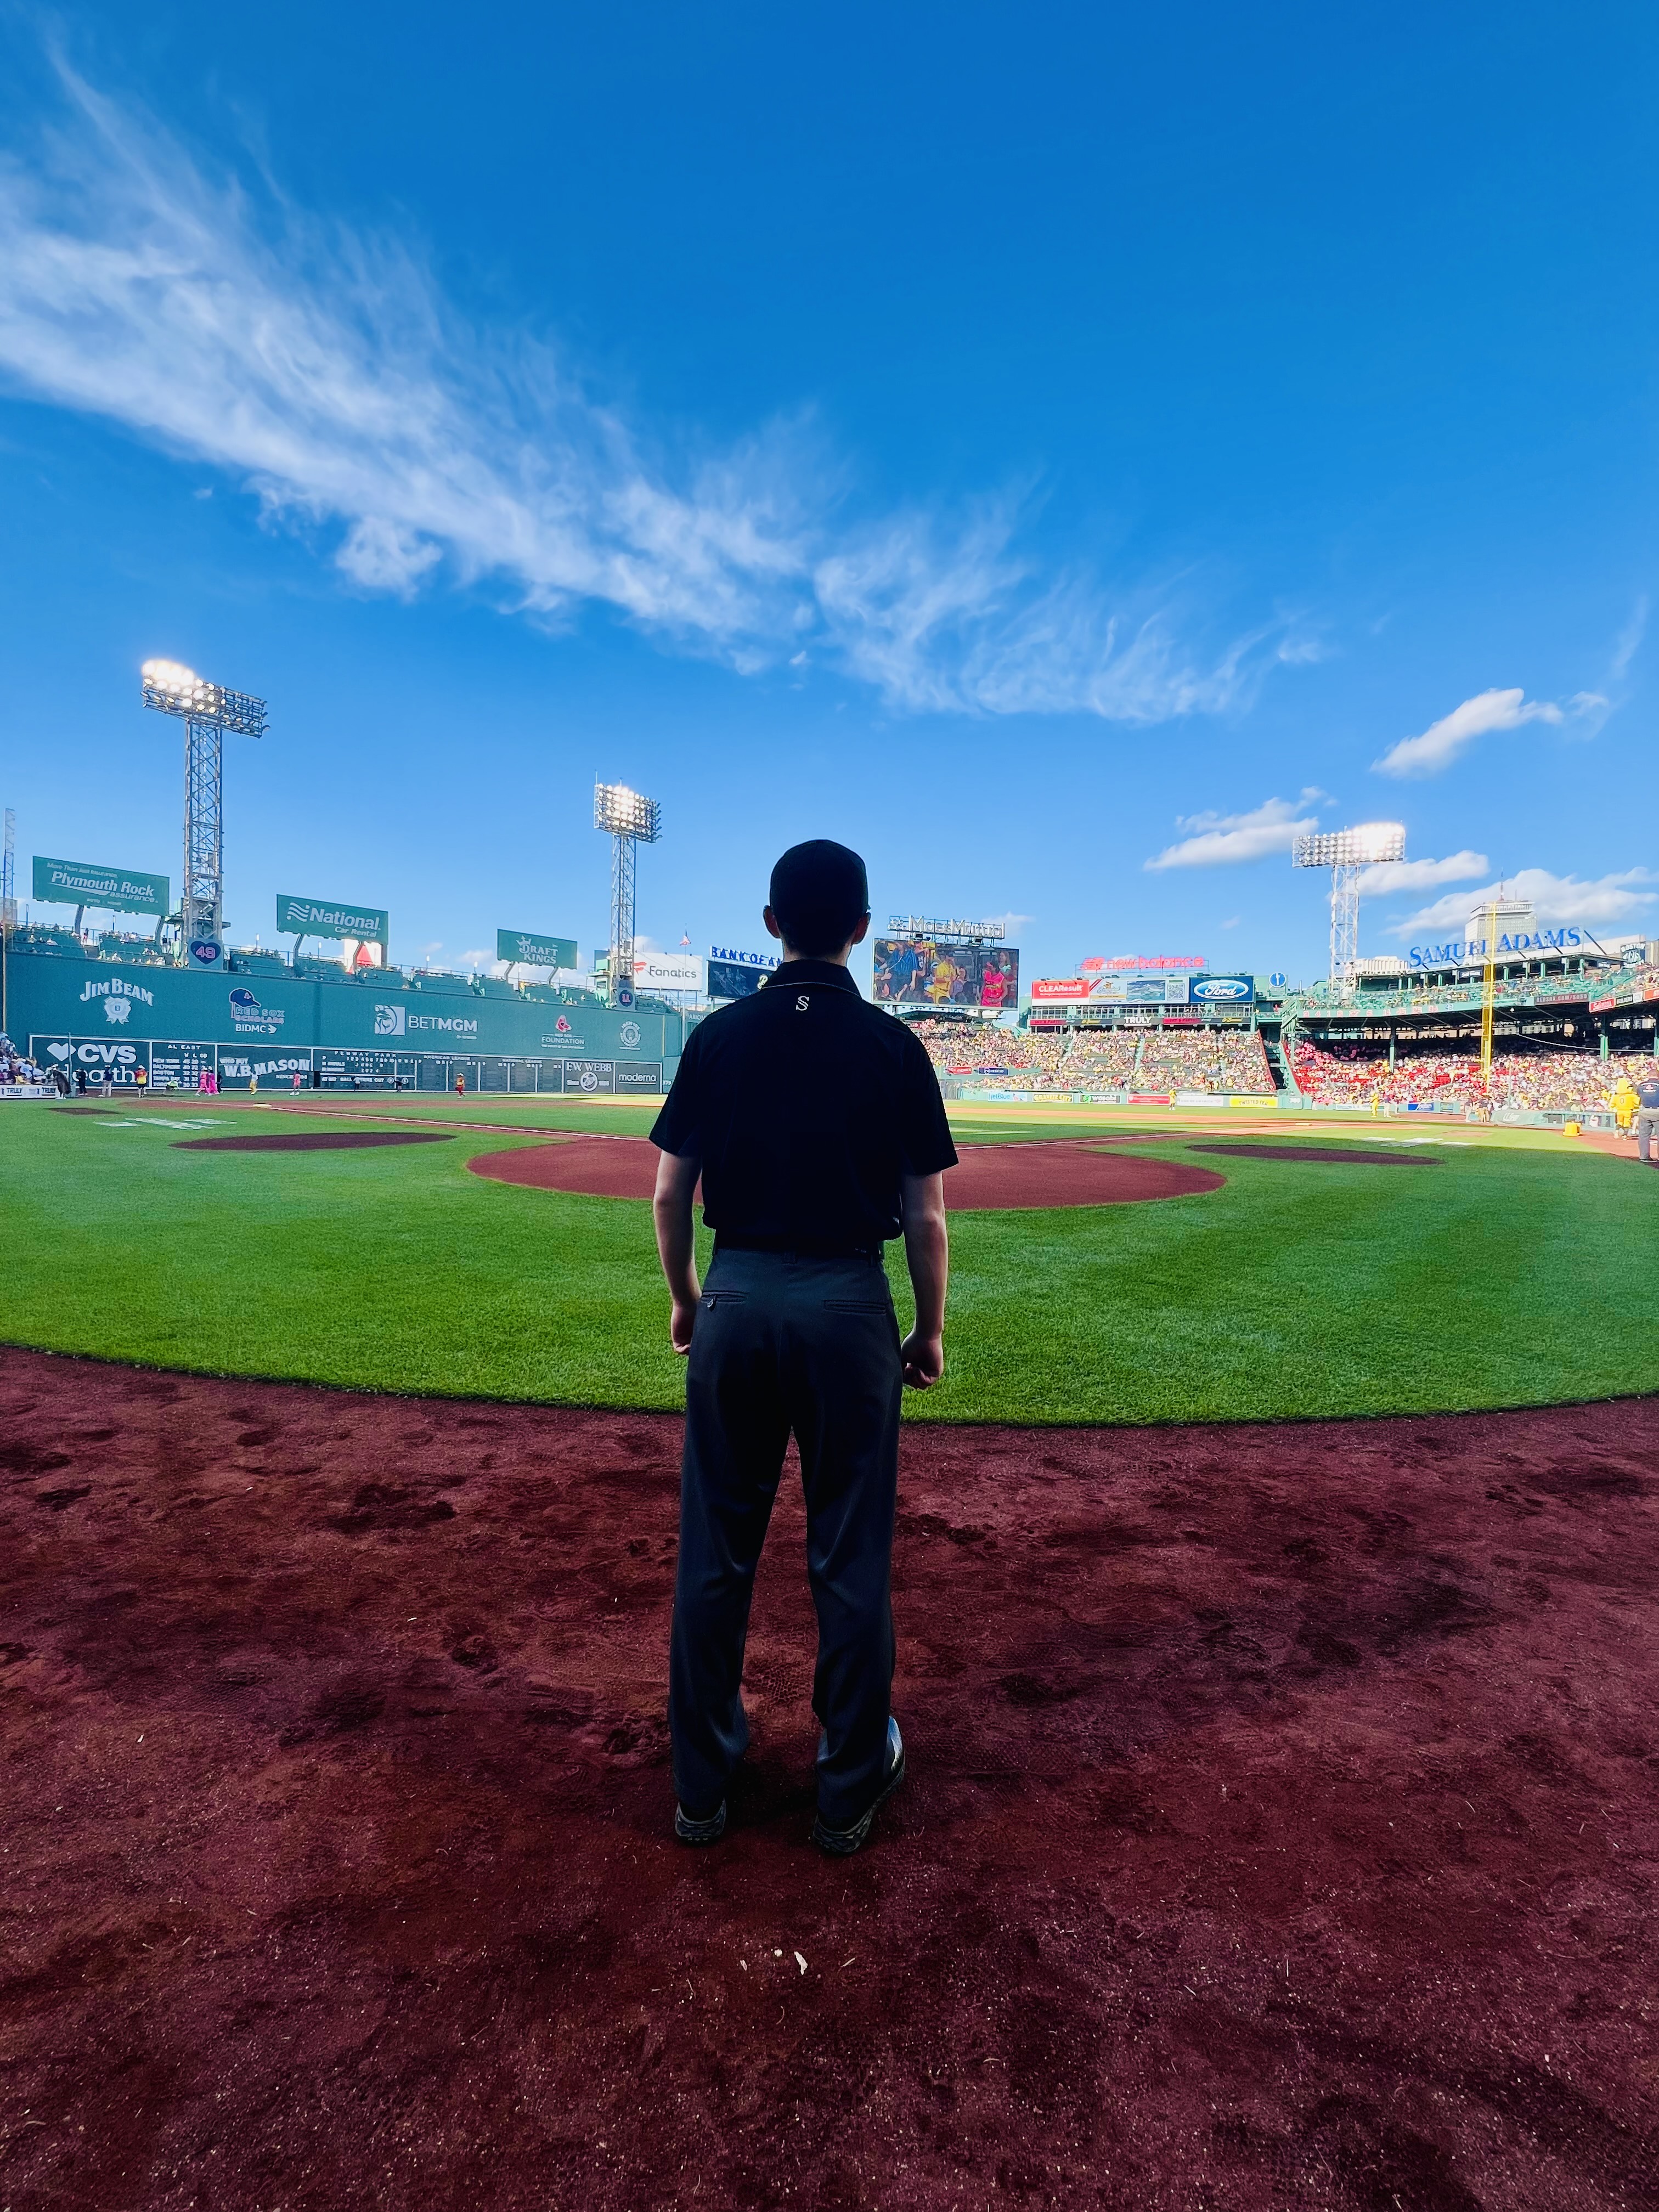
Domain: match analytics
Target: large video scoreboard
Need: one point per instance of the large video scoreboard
(919, 971)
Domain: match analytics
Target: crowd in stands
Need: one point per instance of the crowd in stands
(1101, 1059)
(1228, 1062)
(1231, 1061)
(1004, 1059)
(17, 1067)
(1531, 1082)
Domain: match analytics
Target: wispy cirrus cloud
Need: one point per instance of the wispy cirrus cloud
(1599, 902)
(325, 370)
(1218, 840)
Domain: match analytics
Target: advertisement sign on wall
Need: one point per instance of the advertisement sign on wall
(520, 948)
(332, 918)
(1112, 990)
(916, 971)
(734, 979)
(743, 959)
(1223, 990)
(1099, 965)
(668, 971)
(83, 883)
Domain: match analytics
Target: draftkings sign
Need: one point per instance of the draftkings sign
(520, 948)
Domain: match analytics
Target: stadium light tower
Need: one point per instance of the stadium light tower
(629, 819)
(207, 710)
(1347, 854)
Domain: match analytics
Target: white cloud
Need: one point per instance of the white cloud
(383, 558)
(1629, 641)
(1440, 744)
(1605, 902)
(1399, 877)
(1216, 841)
(324, 370)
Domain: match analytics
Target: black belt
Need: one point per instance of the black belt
(795, 1247)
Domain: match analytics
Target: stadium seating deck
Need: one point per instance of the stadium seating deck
(1525, 1082)
(1227, 1062)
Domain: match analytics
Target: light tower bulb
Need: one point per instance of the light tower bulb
(170, 676)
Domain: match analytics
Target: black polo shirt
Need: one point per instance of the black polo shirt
(806, 1106)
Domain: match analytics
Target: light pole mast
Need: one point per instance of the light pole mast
(1347, 854)
(207, 710)
(630, 819)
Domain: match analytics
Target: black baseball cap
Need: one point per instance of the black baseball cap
(819, 895)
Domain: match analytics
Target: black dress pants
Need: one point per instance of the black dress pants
(786, 1342)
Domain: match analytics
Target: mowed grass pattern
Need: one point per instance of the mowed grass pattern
(1505, 1274)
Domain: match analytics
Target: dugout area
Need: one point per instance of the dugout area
(1284, 1794)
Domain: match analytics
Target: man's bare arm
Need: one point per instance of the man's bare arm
(927, 1255)
(671, 1209)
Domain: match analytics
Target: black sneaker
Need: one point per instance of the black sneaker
(700, 1831)
(841, 1843)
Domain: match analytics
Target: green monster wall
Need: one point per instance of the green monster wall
(108, 1019)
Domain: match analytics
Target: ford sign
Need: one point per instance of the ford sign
(1223, 990)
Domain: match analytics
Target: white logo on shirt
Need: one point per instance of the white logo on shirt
(802, 1003)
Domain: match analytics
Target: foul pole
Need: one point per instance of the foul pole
(1488, 997)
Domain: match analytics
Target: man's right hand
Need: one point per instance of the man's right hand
(923, 1358)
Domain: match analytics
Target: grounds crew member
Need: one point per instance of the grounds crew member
(816, 1123)
(1647, 1117)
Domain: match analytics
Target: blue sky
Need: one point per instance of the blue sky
(1057, 450)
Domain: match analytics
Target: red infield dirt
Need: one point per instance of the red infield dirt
(987, 1176)
(1280, 1830)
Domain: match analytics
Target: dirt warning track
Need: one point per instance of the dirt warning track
(1281, 1827)
(987, 1176)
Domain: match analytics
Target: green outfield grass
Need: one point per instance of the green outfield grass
(1514, 1272)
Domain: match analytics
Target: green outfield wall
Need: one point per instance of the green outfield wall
(108, 1019)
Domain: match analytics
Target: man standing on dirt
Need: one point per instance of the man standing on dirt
(816, 1124)
(1647, 1116)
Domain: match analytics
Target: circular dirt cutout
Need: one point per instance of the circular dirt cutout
(989, 1178)
(1323, 1153)
(315, 1140)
